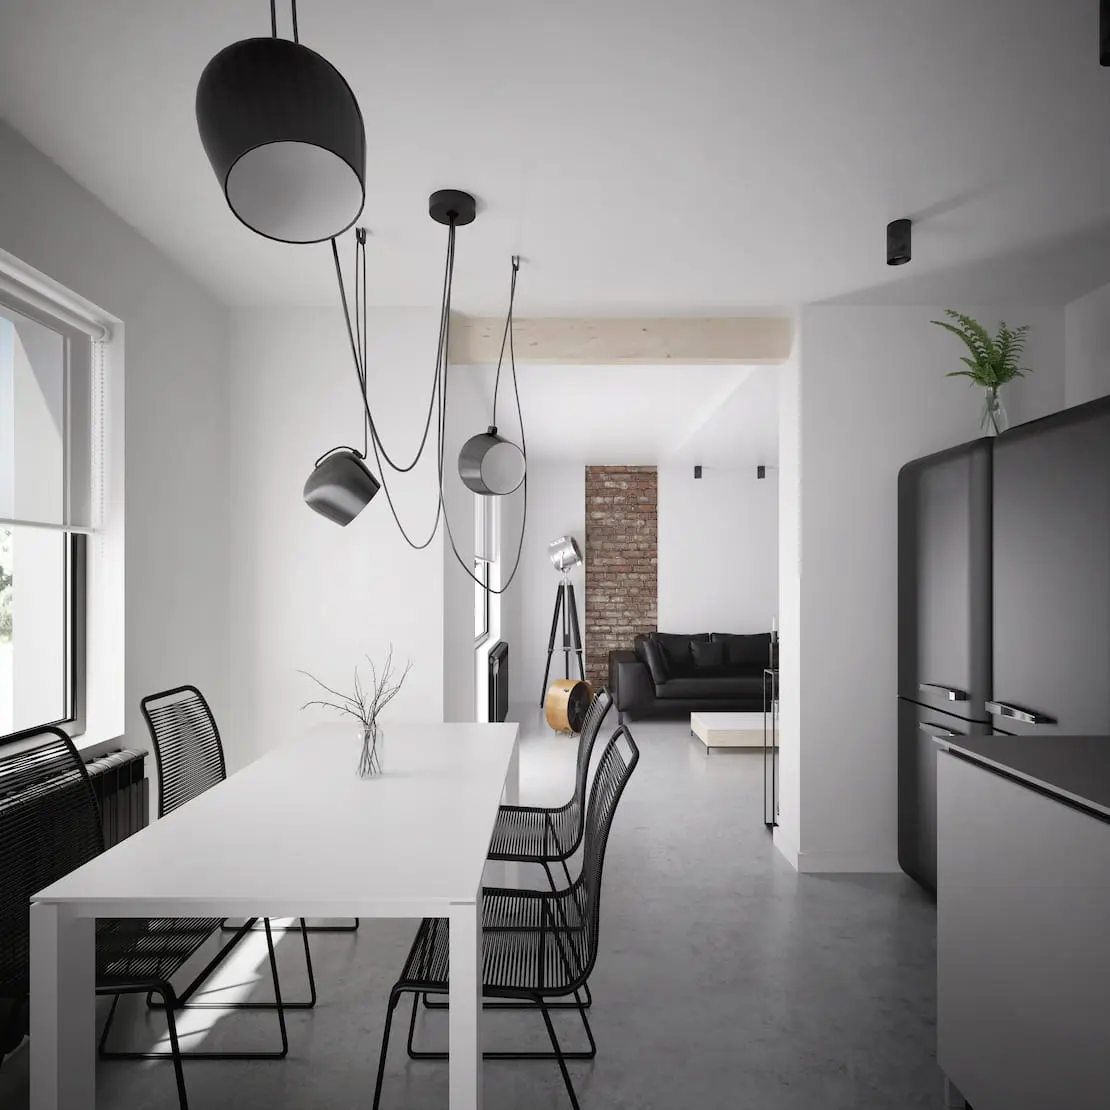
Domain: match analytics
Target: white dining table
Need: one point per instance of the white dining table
(295, 834)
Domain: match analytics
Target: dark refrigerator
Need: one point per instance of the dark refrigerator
(944, 630)
(1003, 600)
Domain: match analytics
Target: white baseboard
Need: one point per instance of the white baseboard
(818, 863)
(786, 846)
(827, 863)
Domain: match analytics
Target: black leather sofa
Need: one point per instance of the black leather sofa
(668, 674)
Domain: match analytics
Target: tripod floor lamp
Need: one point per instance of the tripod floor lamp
(564, 555)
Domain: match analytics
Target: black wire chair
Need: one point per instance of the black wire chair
(544, 836)
(189, 755)
(551, 947)
(49, 826)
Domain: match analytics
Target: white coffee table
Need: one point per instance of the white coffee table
(722, 731)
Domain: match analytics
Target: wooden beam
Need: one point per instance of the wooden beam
(615, 341)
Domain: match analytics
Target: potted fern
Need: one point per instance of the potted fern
(991, 362)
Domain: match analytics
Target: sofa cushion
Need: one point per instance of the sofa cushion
(708, 656)
(723, 686)
(652, 654)
(676, 651)
(748, 653)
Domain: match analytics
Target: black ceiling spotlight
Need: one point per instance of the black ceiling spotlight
(1104, 32)
(898, 234)
(490, 464)
(285, 136)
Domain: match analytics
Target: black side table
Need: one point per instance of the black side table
(770, 747)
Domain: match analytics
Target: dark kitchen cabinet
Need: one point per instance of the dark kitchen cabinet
(919, 728)
(1051, 576)
(944, 580)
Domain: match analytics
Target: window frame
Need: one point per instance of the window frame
(75, 550)
(482, 573)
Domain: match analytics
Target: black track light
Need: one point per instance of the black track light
(898, 236)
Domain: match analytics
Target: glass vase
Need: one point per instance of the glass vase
(373, 743)
(994, 421)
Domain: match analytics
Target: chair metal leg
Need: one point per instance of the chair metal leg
(585, 1054)
(175, 1051)
(394, 998)
(561, 1056)
(202, 977)
(170, 1003)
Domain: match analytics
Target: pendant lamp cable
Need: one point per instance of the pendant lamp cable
(358, 336)
(507, 335)
(273, 20)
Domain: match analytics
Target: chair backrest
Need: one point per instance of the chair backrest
(49, 826)
(599, 707)
(187, 746)
(614, 769)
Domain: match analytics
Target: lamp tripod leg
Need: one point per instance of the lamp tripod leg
(551, 640)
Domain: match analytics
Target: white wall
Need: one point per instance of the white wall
(873, 396)
(718, 549)
(465, 418)
(556, 507)
(306, 593)
(790, 597)
(175, 467)
(1087, 338)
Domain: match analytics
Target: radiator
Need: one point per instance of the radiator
(119, 781)
(499, 681)
(122, 792)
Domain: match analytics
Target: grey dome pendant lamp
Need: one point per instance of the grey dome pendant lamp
(285, 137)
(490, 464)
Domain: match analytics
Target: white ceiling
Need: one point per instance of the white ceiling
(640, 415)
(644, 156)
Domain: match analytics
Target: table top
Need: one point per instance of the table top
(1075, 768)
(299, 833)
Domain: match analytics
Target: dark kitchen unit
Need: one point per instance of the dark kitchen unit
(1003, 600)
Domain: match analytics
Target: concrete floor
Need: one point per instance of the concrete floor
(724, 978)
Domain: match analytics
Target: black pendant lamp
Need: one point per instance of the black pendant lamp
(490, 464)
(340, 486)
(285, 137)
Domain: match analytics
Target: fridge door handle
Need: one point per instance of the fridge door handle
(949, 693)
(936, 731)
(1015, 713)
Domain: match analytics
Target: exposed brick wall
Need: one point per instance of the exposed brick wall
(622, 540)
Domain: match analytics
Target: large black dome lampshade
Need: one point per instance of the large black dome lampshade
(340, 486)
(285, 136)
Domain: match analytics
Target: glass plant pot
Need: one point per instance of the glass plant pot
(370, 758)
(994, 421)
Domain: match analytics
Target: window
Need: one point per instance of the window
(45, 384)
(485, 548)
(481, 600)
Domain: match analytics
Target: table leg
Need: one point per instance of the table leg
(511, 877)
(63, 1009)
(464, 1036)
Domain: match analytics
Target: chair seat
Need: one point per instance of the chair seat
(532, 834)
(523, 954)
(131, 951)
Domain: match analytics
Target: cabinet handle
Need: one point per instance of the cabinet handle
(936, 730)
(950, 693)
(1013, 713)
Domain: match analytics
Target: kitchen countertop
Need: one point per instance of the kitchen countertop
(1075, 768)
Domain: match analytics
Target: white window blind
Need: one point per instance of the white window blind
(52, 383)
